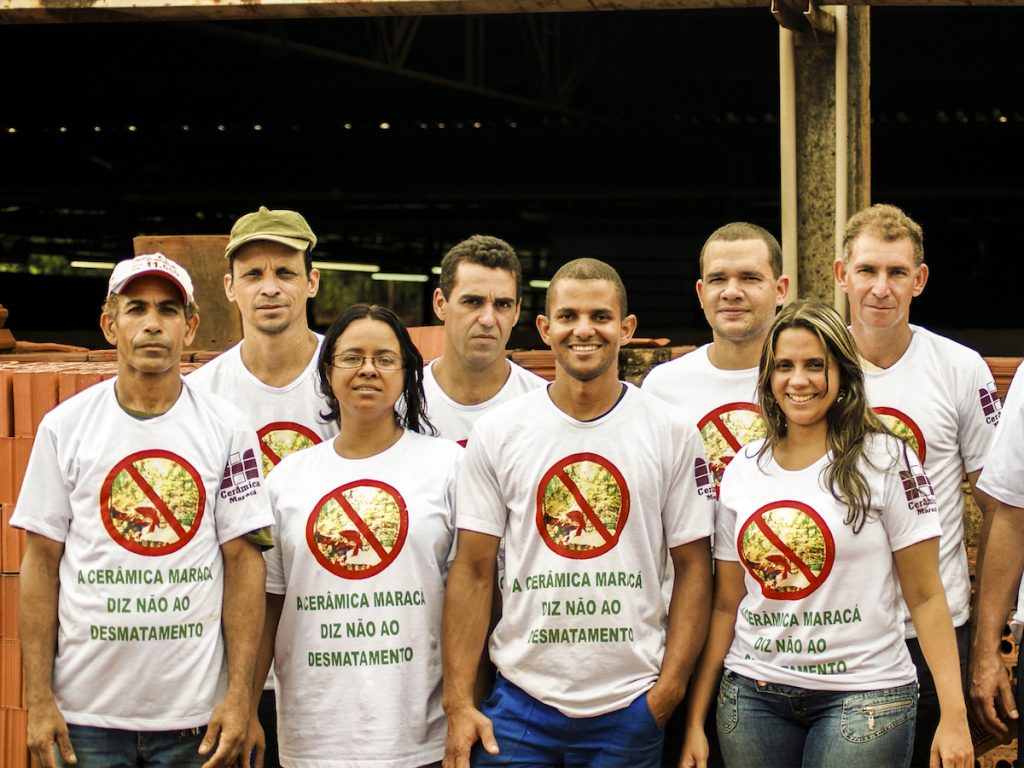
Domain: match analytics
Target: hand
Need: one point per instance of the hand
(465, 726)
(991, 697)
(952, 747)
(695, 749)
(255, 742)
(46, 725)
(227, 728)
(662, 702)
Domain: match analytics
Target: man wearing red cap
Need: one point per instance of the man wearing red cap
(142, 593)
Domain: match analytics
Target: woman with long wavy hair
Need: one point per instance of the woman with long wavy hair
(820, 525)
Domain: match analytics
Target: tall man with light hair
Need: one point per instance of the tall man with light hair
(714, 387)
(142, 582)
(937, 394)
(271, 375)
(590, 484)
(478, 300)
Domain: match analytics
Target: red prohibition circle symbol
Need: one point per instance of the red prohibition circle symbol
(582, 506)
(358, 529)
(727, 429)
(905, 427)
(787, 548)
(152, 502)
(283, 438)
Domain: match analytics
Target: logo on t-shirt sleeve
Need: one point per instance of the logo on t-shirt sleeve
(918, 490)
(241, 476)
(702, 475)
(990, 404)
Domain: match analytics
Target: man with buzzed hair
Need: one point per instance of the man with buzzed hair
(741, 287)
(590, 484)
(935, 393)
(271, 375)
(478, 300)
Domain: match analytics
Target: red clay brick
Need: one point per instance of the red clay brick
(6, 401)
(13, 735)
(12, 542)
(10, 674)
(8, 607)
(19, 463)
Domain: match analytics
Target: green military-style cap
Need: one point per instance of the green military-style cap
(286, 227)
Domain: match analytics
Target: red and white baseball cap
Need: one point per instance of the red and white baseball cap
(151, 264)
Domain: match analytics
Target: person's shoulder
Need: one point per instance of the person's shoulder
(205, 374)
(214, 407)
(85, 401)
(945, 346)
(525, 375)
(696, 359)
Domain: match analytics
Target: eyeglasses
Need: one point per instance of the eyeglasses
(350, 360)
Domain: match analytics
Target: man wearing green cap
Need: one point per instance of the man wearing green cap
(271, 374)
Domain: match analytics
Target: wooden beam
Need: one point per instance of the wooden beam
(58, 11)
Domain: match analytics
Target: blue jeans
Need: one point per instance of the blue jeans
(114, 748)
(782, 726)
(532, 734)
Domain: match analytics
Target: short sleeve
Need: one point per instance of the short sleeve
(1002, 477)
(689, 504)
(479, 504)
(910, 512)
(246, 510)
(978, 409)
(44, 502)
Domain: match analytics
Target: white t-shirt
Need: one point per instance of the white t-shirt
(1003, 476)
(722, 403)
(822, 609)
(941, 398)
(286, 418)
(142, 508)
(361, 558)
(587, 510)
(454, 421)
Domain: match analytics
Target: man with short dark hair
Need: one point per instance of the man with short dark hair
(271, 375)
(741, 286)
(590, 484)
(141, 591)
(935, 393)
(478, 300)
(714, 387)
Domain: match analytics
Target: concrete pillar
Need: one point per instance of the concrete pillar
(220, 325)
(819, 197)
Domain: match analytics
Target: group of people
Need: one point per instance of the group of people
(317, 551)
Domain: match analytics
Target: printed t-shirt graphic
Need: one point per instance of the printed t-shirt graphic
(281, 438)
(152, 502)
(725, 430)
(904, 427)
(582, 506)
(357, 530)
(788, 549)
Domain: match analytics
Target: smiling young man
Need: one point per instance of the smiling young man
(591, 486)
(271, 374)
(141, 595)
(937, 394)
(478, 300)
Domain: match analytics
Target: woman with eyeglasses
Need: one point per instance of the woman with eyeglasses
(819, 527)
(355, 583)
